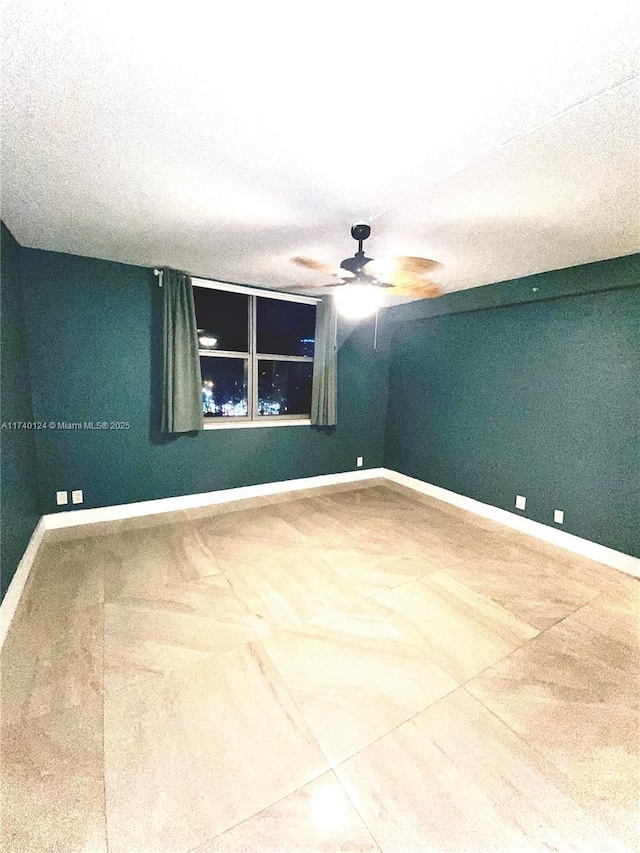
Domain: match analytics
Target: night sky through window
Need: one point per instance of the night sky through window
(283, 326)
(224, 316)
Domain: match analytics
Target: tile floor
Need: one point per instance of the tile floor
(349, 669)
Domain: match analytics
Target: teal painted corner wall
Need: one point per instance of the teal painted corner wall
(495, 395)
(19, 511)
(94, 339)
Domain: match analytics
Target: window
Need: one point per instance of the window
(256, 353)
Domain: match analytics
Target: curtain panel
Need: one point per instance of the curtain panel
(324, 393)
(181, 381)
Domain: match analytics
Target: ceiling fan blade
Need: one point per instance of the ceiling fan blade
(313, 264)
(294, 288)
(417, 266)
(418, 288)
(401, 270)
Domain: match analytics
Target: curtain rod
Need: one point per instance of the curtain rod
(248, 288)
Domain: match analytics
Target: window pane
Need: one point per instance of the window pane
(285, 328)
(284, 387)
(224, 387)
(223, 317)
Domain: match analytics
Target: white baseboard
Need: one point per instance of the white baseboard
(132, 510)
(11, 600)
(584, 547)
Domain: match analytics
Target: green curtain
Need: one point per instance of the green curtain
(324, 393)
(181, 381)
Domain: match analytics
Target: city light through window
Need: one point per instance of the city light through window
(224, 387)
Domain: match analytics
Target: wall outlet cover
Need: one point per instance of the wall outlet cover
(521, 502)
(359, 462)
(62, 498)
(558, 516)
(76, 496)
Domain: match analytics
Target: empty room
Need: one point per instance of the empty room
(320, 405)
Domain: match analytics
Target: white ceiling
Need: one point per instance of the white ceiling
(224, 138)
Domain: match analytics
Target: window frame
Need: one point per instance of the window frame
(252, 357)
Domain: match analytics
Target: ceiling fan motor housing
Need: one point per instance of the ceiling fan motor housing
(355, 264)
(360, 231)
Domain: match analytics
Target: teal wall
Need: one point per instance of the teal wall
(94, 336)
(19, 510)
(504, 390)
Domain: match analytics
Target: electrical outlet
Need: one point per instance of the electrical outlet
(76, 496)
(521, 502)
(62, 498)
(558, 516)
(359, 461)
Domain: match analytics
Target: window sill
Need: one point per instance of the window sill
(257, 424)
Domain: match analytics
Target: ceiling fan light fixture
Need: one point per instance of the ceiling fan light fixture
(382, 269)
(356, 301)
(343, 274)
(206, 339)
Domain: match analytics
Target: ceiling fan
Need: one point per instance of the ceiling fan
(361, 281)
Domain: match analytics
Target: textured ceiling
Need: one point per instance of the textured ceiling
(224, 138)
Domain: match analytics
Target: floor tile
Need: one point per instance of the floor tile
(262, 523)
(203, 748)
(389, 527)
(141, 563)
(573, 693)
(461, 631)
(286, 586)
(53, 653)
(354, 677)
(318, 818)
(52, 783)
(178, 627)
(536, 589)
(371, 573)
(318, 522)
(433, 785)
